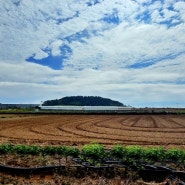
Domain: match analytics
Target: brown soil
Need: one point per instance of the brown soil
(146, 130)
(70, 180)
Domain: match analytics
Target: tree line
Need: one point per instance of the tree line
(83, 101)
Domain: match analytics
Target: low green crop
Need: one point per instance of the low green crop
(118, 152)
(49, 150)
(68, 151)
(6, 148)
(26, 149)
(154, 154)
(94, 153)
(176, 155)
(134, 152)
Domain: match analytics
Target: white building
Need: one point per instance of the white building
(86, 108)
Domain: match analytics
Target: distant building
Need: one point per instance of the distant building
(86, 108)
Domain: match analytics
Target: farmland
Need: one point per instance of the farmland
(146, 130)
(35, 143)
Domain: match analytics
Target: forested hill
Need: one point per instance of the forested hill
(83, 101)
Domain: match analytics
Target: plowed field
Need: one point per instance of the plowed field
(149, 130)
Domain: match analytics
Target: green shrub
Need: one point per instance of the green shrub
(6, 148)
(134, 152)
(118, 152)
(94, 153)
(176, 155)
(26, 149)
(68, 151)
(49, 150)
(154, 154)
(72, 151)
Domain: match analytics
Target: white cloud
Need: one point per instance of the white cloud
(55, 47)
(123, 46)
(143, 1)
(116, 85)
(168, 14)
(25, 73)
(180, 7)
(157, 5)
(40, 54)
(100, 61)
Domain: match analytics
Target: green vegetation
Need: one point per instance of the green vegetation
(25, 149)
(95, 153)
(147, 155)
(83, 101)
(118, 151)
(37, 150)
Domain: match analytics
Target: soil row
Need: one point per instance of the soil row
(166, 130)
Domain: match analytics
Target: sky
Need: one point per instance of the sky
(132, 51)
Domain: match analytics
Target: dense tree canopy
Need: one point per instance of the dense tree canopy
(83, 101)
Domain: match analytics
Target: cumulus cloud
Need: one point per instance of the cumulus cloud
(55, 47)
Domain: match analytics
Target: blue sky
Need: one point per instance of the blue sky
(132, 51)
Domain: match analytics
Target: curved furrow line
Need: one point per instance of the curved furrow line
(15, 123)
(126, 122)
(108, 129)
(154, 122)
(180, 120)
(51, 129)
(107, 139)
(54, 128)
(146, 130)
(147, 122)
(18, 132)
(135, 135)
(71, 128)
(42, 132)
(76, 124)
(103, 127)
(117, 121)
(97, 129)
(135, 120)
(87, 140)
(93, 125)
(36, 135)
(10, 126)
(143, 129)
(86, 132)
(47, 129)
(161, 122)
(160, 130)
(173, 122)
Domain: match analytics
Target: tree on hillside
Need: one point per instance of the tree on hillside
(83, 101)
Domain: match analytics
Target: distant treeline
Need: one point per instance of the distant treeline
(83, 101)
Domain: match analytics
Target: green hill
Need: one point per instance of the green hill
(83, 101)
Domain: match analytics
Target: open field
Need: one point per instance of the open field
(146, 130)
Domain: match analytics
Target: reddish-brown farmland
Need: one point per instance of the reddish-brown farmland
(147, 130)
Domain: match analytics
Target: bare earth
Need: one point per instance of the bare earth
(145, 130)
